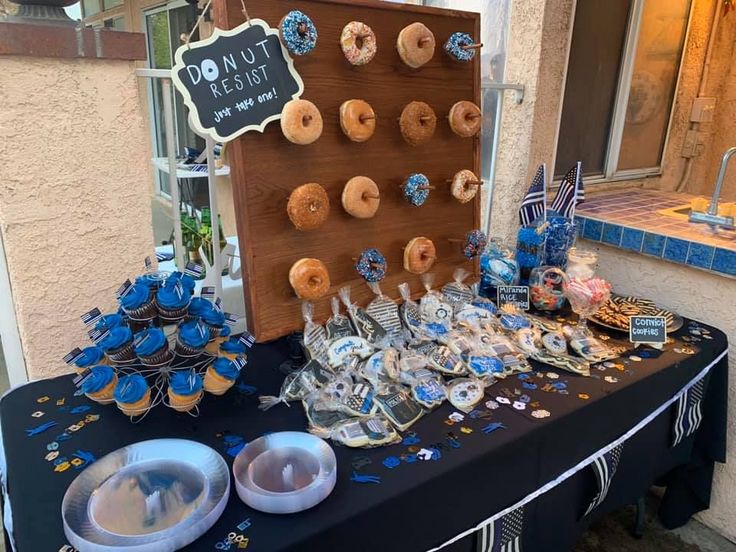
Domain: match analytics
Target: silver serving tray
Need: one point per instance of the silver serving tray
(285, 472)
(152, 496)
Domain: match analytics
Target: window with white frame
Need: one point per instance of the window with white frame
(622, 76)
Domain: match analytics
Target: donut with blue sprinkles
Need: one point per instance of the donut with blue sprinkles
(371, 265)
(454, 47)
(298, 33)
(416, 189)
(475, 243)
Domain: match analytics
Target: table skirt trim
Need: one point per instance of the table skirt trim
(587, 461)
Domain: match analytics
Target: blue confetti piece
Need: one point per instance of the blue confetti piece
(527, 385)
(233, 451)
(563, 392)
(80, 409)
(87, 456)
(60, 460)
(475, 414)
(454, 443)
(391, 462)
(360, 478)
(410, 458)
(243, 525)
(559, 385)
(246, 389)
(78, 393)
(490, 428)
(232, 439)
(436, 454)
(411, 440)
(525, 399)
(523, 376)
(40, 429)
(63, 437)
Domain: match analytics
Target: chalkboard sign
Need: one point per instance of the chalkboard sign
(513, 295)
(647, 329)
(236, 81)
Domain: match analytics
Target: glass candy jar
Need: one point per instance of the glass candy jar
(581, 263)
(585, 292)
(498, 268)
(559, 235)
(546, 288)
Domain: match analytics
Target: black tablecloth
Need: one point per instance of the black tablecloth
(385, 499)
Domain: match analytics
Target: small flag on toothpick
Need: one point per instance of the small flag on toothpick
(91, 317)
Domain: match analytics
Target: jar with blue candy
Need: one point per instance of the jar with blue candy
(559, 236)
(498, 268)
(529, 251)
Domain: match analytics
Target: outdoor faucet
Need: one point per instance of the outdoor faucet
(711, 216)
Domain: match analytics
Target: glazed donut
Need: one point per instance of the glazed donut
(358, 42)
(464, 186)
(308, 206)
(298, 33)
(475, 243)
(361, 197)
(417, 123)
(301, 122)
(416, 189)
(357, 120)
(419, 255)
(371, 265)
(465, 119)
(456, 47)
(415, 45)
(309, 278)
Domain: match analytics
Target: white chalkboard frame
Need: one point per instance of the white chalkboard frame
(194, 121)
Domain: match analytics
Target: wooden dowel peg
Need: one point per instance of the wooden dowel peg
(372, 264)
(307, 118)
(455, 240)
(369, 195)
(364, 118)
(425, 118)
(469, 182)
(425, 188)
(473, 116)
(424, 40)
(476, 46)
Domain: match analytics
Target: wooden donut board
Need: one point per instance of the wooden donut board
(265, 168)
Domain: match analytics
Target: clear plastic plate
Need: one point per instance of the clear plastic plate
(153, 496)
(285, 472)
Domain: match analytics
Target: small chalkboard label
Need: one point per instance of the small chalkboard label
(513, 295)
(236, 81)
(647, 329)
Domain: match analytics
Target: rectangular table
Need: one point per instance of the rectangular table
(386, 499)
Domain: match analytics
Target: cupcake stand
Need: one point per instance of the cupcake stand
(506, 463)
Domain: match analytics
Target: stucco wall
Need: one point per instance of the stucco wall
(712, 301)
(74, 202)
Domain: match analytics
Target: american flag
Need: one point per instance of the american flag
(605, 468)
(689, 412)
(502, 534)
(534, 202)
(571, 192)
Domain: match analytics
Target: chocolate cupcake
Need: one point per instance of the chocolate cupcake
(172, 302)
(118, 345)
(151, 347)
(138, 303)
(197, 307)
(215, 320)
(191, 338)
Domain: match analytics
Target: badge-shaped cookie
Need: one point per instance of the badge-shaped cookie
(318, 373)
(526, 339)
(367, 326)
(338, 325)
(445, 361)
(339, 351)
(429, 392)
(457, 294)
(323, 419)
(513, 322)
(398, 406)
(592, 349)
(434, 310)
(465, 393)
(472, 316)
(360, 400)
(459, 343)
(384, 310)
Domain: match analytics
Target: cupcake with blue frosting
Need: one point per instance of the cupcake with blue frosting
(172, 302)
(153, 280)
(221, 375)
(133, 395)
(215, 320)
(100, 385)
(187, 281)
(109, 321)
(191, 338)
(152, 347)
(138, 304)
(118, 345)
(185, 390)
(91, 356)
(198, 306)
(232, 348)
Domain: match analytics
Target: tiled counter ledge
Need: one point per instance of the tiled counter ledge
(655, 223)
